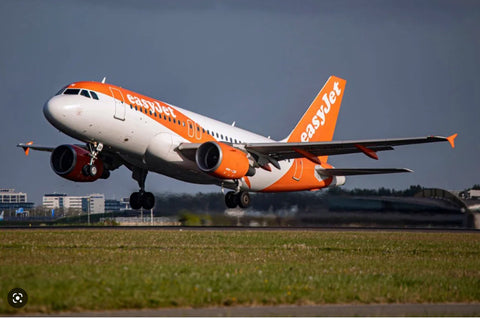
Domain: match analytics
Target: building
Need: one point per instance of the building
(10, 196)
(53, 200)
(62, 201)
(96, 203)
(93, 203)
(11, 200)
(113, 205)
(470, 194)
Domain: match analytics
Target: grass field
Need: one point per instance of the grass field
(98, 269)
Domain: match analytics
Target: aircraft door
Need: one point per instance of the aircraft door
(120, 108)
(198, 131)
(191, 131)
(297, 175)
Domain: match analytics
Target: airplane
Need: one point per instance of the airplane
(119, 127)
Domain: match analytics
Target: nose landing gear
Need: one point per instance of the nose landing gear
(90, 169)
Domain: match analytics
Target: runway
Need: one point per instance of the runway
(346, 310)
(248, 228)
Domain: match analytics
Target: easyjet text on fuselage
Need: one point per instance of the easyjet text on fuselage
(153, 106)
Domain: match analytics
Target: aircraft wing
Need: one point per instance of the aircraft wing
(272, 152)
(29, 145)
(311, 150)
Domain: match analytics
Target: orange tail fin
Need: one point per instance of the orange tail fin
(318, 122)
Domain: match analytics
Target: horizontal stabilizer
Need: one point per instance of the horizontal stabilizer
(354, 172)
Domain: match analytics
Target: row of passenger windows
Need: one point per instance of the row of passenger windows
(77, 91)
(182, 123)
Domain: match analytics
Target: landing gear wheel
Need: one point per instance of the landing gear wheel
(92, 170)
(105, 174)
(144, 200)
(148, 200)
(89, 170)
(231, 200)
(243, 199)
(136, 200)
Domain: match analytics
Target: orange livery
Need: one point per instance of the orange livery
(118, 127)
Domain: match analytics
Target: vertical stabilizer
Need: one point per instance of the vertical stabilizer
(318, 122)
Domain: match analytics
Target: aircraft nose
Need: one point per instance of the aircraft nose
(59, 111)
(52, 110)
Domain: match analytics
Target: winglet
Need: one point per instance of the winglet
(451, 140)
(26, 148)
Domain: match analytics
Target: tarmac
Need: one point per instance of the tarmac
(346, 310)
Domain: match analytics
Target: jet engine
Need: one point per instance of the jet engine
(223, 161)
(70, 162)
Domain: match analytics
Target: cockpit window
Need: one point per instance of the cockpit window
(85, 93)
(71, 91)
(61, 91)
(94, 95)
(76, 91)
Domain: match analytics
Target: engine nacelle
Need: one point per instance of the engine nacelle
(223, 161)
(68, 161)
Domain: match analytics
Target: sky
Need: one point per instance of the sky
(412, 69)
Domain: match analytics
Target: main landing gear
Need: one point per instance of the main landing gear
(141, 199)
(241, 199)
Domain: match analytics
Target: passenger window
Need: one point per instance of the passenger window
(85, 93)
(174, 121)
(169, 119)
(94, 95)
(71, 91)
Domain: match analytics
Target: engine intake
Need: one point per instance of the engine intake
(223, 161)
(68, 161)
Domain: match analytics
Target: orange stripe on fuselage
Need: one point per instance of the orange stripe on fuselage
(305, 181)
(165, 114)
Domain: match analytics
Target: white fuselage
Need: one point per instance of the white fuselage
(145, 142)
